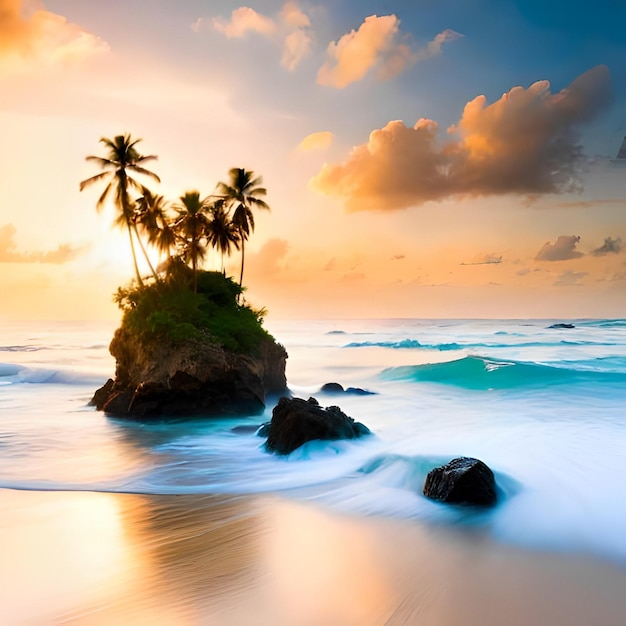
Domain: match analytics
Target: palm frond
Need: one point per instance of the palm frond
(103, 163)
(94, 179)
(145, 172)
(259, 204)
(102, 199)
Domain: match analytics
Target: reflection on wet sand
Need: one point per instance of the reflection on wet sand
(99, 559)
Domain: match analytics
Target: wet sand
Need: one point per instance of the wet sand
(99, 559)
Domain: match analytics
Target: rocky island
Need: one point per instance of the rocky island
(184, 353)
(188, 344)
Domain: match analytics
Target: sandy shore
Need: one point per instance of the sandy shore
(100, 559)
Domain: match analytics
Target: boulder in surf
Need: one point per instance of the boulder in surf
(296, 421)
(463, 480)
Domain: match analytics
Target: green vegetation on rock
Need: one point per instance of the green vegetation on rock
(170, 311)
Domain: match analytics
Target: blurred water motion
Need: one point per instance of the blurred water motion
(98, 559)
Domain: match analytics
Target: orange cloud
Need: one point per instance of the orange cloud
(525, 143)
(291, 28)
(610, 246)
(569, 279)
(270, 259)
(298, 39)
(44, 36)
(376, 44)
(317, 141)
(563, 249)
(9, 253)
(242, 21)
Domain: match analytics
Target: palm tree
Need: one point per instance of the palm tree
(121, 157)
(243, 191)
(151, 217)
(221, 234)
(191, 226)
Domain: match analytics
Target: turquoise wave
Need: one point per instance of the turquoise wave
(413, 344)
(476, 372)
(616, 323)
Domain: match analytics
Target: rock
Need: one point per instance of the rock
(332, 388)
(462, 481)
(263, 430)
(102, 395)
(337, 388)
(296, 421)
(357, 391)
(561, 325)
(197, 377)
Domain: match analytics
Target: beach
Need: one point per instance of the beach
(96, 559)
(193, 521)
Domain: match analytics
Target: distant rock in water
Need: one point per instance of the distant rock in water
(337, 388)
(462, 481)
(296, 421)
(562, 325)
(196, 377)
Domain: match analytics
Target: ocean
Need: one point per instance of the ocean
(543, 407)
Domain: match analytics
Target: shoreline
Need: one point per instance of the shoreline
(100, 558)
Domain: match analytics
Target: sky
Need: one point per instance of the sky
(451, 159)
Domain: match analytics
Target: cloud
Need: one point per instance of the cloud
(299, 37)
(563, 249)
(590, 204)
(270, 259)
(377, 44)
(9, 253)
(610, 246)
(352, 277)
(525, 143)
(242, 21)
(291, 29)
(317, 141)
(569, 279)
(486, 259)
(43, 36)
(197, 26)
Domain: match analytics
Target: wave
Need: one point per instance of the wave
(21, 348)
(482, 373)
(616, 323)
(9, 369)
(11, 374)
(443, 347)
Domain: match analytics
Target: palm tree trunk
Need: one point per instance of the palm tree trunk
(132, 249)
(195, 275)
(243, 256)
(145, 254)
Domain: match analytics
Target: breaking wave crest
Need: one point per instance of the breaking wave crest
(477, 372)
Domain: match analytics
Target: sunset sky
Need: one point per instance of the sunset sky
(422, 159)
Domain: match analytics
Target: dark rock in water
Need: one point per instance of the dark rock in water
(462, 481)
(197, 377)
(337, 388)
(561, 325)
(263, 430)
(102, 395)
(296, 421)
(332, 388)
(357, 391)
